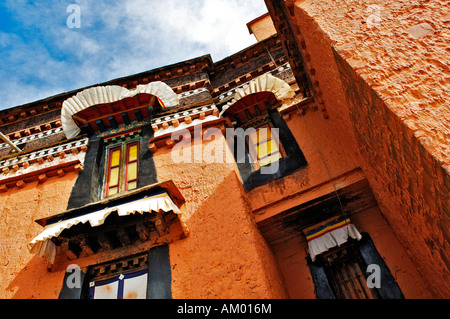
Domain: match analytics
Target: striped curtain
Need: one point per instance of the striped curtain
(330, 235)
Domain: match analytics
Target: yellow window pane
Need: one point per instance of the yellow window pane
(115, 157)
(270, 159)
(132, 171)
(114, 176)
(261, 134)
(112, 191)
(132, 153)
(132, 185)
(266, 148)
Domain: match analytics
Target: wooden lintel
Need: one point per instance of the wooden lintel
(124, 108)
(86, 250)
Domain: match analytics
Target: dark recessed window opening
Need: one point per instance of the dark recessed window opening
(271, 150)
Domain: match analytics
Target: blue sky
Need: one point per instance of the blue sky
(41, 56)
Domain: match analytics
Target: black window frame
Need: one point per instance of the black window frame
(367, 254)
(89, 184)
(293, 161)
(159, 276)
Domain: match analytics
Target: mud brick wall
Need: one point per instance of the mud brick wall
(392, 57)
(412, 187)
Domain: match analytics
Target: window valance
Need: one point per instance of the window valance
(331, 234)
(44, 245)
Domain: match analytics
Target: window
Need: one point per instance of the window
(340, 273)
(146, 275)
(346, 273)
(121, 167)
(120, 279)
(272, 146)
(264, 146)
(130, 285)
(131, 166)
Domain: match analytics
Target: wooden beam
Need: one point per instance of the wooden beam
(124, 108)
(103, 241)
(123, 237)
(85, 248)
(69, 253)
(142, 230)
(161, 226)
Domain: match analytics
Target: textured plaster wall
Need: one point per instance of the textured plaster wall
(224, 256)
(327, 152)
(393, 253)
(23, 275)
(291, 256)
(263, 28)
(392, 58)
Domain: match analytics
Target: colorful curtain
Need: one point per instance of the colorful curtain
(330, 235)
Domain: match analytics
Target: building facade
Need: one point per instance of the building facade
(242, 178)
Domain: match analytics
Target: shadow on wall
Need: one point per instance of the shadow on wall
(34, 281)
(225, 256)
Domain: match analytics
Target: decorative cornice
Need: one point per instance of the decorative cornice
(20, 113)
(192, 92)
(42, 163)
(162, 124)
(201, 126)
(33, 137)
(230, 93)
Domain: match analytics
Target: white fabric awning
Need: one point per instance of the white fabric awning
(263, 83)
(330, 235)
(42, 245)
(267, 82)
(108, 94)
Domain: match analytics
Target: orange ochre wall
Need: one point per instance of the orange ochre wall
(23, 275)
(381, 63)
(328, 149)
(224, 256)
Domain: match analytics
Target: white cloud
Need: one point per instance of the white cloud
(219, 25)
(116, 38)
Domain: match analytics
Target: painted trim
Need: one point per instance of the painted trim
(127, 162)
(293, 160)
